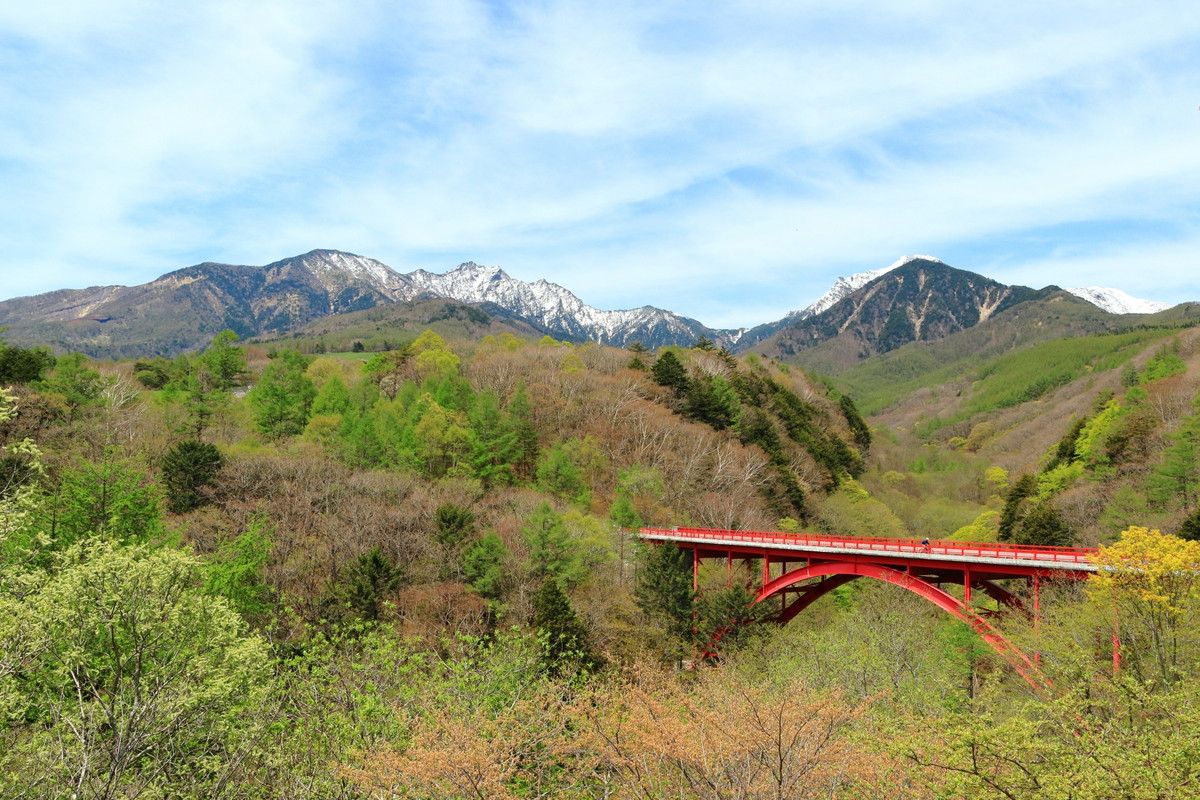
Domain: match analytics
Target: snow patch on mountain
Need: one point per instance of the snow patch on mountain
(548, 304)
(846, 286)
(332, 267)
(1116, 301)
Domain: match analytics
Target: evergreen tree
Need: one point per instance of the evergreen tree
(664, 588)
(483, 565)
(368, 582)
(669, 371)
(1177, 478)
(1190, 528)
(282, 399)
(454, 526)
(1043, 526)
(1024, 487)
(553, 552)
(563, 636)
(186, 468)
(20, 365)
(711, 400)
(858, 426)
(520, 411)
(724, 617)
(333, 398)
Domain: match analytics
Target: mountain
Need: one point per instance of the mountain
(917, 299)
(183, 310)
(553, 309)
(914, 299)
(1115, 301)
(842, 287)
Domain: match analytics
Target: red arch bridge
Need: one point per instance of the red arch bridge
(798, 569)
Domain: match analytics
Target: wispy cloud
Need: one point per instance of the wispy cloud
(725, 163)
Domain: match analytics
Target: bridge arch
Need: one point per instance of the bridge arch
(838, 573)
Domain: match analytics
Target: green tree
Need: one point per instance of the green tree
(496, 445)
(282, 399)
(1189, 529)
(858, 426)
(21, 365)
(483, 565)
(333, 398)
(559, 476)
(562, 634)
(521, 412)
(74, 381)
(369, 580)
(1022, 489)
(125, 680)
(553, 552)
(111, 498)
(1043, 526)
(186, 468)
(711, 400)
(664, 588)
(442, 440)
(724, 617)
(669, 371)
(454, 528)
(224, 362)
(235, 570)
(1177, 478)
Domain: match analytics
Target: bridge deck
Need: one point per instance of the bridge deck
(1071, 559)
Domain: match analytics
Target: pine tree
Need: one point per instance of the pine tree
(1177, 478)
(668, 371)
(186, 468)
(282, 400)
(664, 588)
(483, 565)
(1024, 487)
(563, 636)
(1043, 526)
(553, 552)
(521, 413)
(368, 582)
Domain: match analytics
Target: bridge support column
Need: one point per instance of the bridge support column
(967, 585)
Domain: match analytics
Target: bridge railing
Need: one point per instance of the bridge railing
(1070, 555)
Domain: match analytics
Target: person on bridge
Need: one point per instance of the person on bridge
(925, 543)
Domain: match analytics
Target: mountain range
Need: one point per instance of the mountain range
(917, 298)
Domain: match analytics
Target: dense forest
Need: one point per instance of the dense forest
(259, 572)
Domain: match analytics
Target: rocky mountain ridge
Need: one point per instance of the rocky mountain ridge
(183, 309)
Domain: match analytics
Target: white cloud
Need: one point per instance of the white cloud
(722, 162)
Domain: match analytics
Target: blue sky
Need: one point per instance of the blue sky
(724, 160)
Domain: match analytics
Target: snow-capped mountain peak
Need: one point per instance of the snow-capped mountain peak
(554, 308)
(331, 265)
(1116, 301)
(845, 286)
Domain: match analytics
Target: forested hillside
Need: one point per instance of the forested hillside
(256, 572)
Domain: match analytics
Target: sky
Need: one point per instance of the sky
(727, 161)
